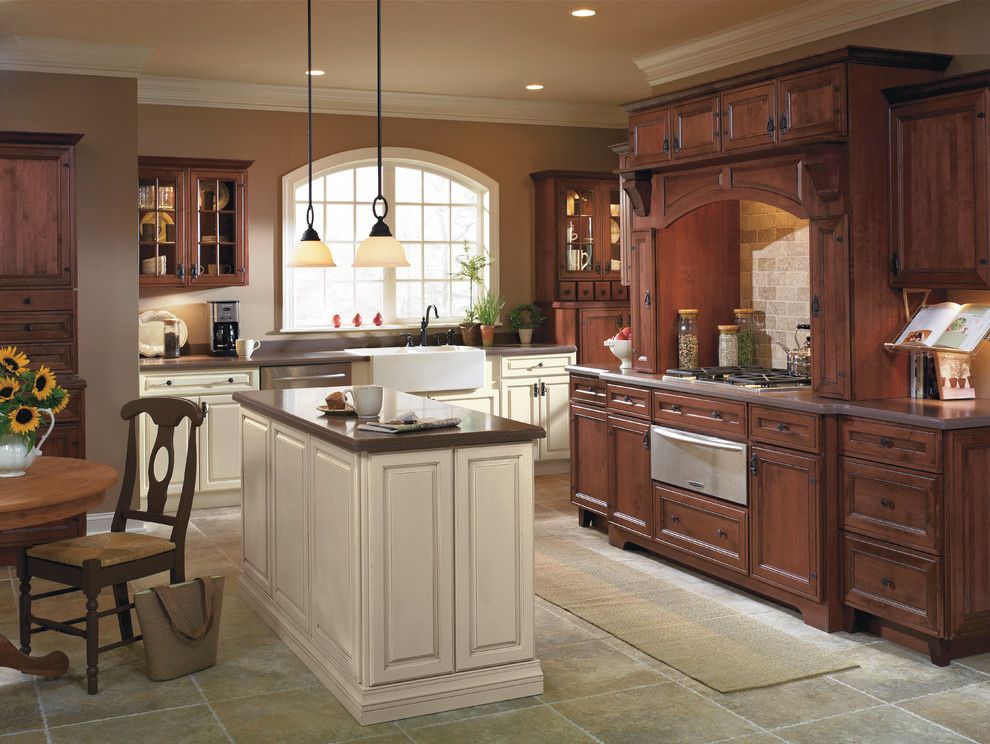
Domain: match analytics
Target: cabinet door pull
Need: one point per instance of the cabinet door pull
(783, 123)
(180, 271)
(677, 143)
(770, 126)
(886, 503)
(666, 145)
(753, 460)
(646, 298)
(781, 426)
(887, 582)
(543, 389)
(721, 533)
(716, 415)
(646, 439)
(204, 407)
(536, 390)
(815, 306)
(895, 264)
(886, 443)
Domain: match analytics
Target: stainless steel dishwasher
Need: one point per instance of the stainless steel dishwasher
(305, 376)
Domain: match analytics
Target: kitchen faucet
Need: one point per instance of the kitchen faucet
(425, 323)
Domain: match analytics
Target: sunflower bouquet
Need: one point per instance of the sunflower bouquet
(25, 393)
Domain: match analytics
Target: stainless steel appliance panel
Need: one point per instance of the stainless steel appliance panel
(305, 376)
(709, 465)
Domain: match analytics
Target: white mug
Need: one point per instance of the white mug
(246, 347)
(366, 400)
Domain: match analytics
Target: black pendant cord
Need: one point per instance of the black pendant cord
(380, 229)
(310, 214)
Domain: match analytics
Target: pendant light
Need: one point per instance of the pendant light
(310, 251)
(380, 249)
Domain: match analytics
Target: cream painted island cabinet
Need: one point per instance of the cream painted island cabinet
(399, 568)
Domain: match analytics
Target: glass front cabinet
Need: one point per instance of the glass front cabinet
(192, 222)
(590, 232)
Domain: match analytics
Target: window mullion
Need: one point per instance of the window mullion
(388, 275)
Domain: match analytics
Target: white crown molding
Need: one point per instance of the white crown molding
(801, 24)
(236, 95)
(70, 57)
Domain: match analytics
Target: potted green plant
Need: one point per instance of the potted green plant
(525, 319)
(488, 308)
(472, 267)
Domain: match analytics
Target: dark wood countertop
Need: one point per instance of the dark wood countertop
(263, 358)
(297, 408)
(933, 414)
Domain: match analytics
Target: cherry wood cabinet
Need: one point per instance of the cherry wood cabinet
(703, 526)
(785, 505)
(597, 325)
(630, 488)
(642, 295)
(749, 117)
(938, 189)
(811, 104)
(192, 222)
(696, 127)
(649, 137)
(589, 440)
(830, 313)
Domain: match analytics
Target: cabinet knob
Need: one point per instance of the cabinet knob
(646, 439)
(886, 503)
(675, 407)
(27, 300)
(539, 364)
(627, 400)
(168, 382)
(886, 443)
(674, 518)
(716, 415)
(28, 327)
(781, 426)
(721, 533)
(887, 582)
(230, 380)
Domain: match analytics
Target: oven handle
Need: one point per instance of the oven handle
(710, 442)
(297, 378)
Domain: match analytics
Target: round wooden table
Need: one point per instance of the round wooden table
(53, 488)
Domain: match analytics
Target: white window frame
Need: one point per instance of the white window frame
(398, 156)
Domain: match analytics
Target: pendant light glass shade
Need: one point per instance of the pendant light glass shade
(380, 249)
(310, 252)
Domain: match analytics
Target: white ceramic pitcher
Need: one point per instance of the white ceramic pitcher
(16, 456)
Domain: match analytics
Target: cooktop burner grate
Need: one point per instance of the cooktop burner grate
(761, 377)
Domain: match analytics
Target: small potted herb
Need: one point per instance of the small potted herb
(472, 267)
(525, 319)
(488, 308)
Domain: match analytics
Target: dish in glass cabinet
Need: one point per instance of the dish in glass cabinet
(149, 219)
(214, 200)
(151, 332)
(616, 231)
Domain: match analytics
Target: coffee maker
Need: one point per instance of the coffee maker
(224, 320)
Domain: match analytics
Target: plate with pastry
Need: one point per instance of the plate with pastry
(336, 405)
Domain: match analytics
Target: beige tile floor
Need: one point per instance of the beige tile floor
(598, 689)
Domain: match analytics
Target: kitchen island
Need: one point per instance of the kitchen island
(399, 568)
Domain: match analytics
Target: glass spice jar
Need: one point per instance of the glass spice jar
(746, 336)
(728, 346)
(687, 339)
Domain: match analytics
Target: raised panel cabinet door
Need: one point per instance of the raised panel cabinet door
(256, 501)
(642, 300)
(410, 526)
(649, 138)
(65, 441)
(630, 487)
(334, 532)
(555, 401)
(219, 453)
(749, 117)
(697, 128)
(589, 443)
(598, 324)
(938, 175)
(785, 520)
(36, 214)
(483, 400)
(493, 555)
(520, 401)
(830, 322)
(290, 522)
(811, 104)
(216, 247)
(581, 209)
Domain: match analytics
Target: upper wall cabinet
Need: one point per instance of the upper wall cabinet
(192, 222)
(938, 175)
(696, 127)
(811, 104)
(37, 224)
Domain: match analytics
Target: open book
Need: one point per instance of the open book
(948, 326)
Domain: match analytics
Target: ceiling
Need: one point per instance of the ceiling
(451, 47)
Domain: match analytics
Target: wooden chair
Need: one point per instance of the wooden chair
(90, 563)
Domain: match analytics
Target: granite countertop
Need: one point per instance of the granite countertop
(277, 357)
(934, 414)
(297, 408)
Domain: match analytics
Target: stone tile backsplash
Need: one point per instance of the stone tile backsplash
(775, 276)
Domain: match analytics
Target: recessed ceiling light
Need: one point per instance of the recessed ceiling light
(315, 73)
(534, 86)
(583, 13)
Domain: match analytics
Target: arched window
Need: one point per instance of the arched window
(439, 208)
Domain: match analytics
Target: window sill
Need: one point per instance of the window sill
(372, 328)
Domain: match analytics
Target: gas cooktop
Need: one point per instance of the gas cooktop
(760, 378)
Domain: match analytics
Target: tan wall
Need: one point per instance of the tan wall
(105, 111)
(277, 143)
(959, 29)
(775, 276)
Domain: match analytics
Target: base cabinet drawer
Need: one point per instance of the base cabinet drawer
(723, 418)
(588, 390)
(896, 505)
(920, 449)
(793, 429)
(702, 526)
(630, 401)
(896, 584)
